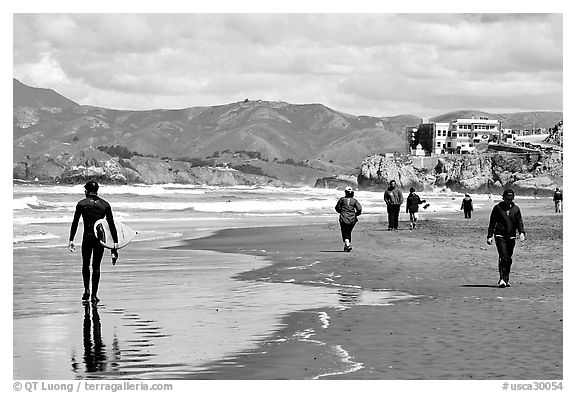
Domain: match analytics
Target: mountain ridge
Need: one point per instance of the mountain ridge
(271, 138)
(275, 129)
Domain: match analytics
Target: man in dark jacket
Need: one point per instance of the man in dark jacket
(412, 202)
(349, 208)
(467, 206)
(558, 200)
(91, 209)
(394, 199)
(505, 222)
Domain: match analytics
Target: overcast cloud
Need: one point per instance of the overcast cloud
(362, 64)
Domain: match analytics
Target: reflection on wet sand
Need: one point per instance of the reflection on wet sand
(135, 357)
(349, 296)
(95, 358)
(94, 352)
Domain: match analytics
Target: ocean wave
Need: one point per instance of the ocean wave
(31, 237)
(107, 189)
(251, 206)
(299, 206)
(55, 218)
(30, 202)
(146, 236)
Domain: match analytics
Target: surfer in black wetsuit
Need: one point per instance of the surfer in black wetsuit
(92, 208)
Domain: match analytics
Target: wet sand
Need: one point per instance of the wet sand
(284, 302)
(460, 326)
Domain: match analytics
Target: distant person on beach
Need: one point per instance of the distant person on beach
(349, 209)
(505, 221)
(91, 209)
(558, 200)
(467, 206)
(394, 199)
(412, 202)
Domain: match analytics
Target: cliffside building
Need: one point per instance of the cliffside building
(456, 137)
(442, 130)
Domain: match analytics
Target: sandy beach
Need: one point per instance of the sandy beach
(279, 299)
(458, 325)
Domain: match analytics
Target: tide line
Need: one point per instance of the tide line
(346, 359)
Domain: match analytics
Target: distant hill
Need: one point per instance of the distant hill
(294, 144)
(33, 97)
(44, 121)
(517, 120)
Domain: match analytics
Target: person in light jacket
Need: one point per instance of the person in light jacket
(349, 209)
(394, 199)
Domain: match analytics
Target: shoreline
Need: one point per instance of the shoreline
(360, 324)
(451, 305)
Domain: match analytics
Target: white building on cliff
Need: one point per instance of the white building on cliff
(456, 137)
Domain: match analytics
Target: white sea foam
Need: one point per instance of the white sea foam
(29, 202)
(325, 319)
(29, 237)
(286, 205)
(105, 189)
(351, 366)
(153, 235)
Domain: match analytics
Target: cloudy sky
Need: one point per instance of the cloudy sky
(363, 64)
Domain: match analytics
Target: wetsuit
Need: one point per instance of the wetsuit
(92, 208)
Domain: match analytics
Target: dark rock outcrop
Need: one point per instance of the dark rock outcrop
(378, 171)
(478, 173)
(339, 182)
(97, 165)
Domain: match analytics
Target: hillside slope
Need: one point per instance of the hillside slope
(55, 139)
(45, 121)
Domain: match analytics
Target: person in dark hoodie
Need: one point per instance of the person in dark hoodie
(349, 209)
(558, 200)
(505, 222)
(394, 199)
(467, 206)
(412, 202)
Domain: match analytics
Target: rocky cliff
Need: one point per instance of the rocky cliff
(97, 165)
(478, 173)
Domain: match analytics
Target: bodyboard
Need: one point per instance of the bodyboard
(102, 232)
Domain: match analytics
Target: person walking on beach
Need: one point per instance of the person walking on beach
(91, 209)
(505, 221)
(394, 199)
(467, 206)
(349, 209)
(558, 200)
(412, 202)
